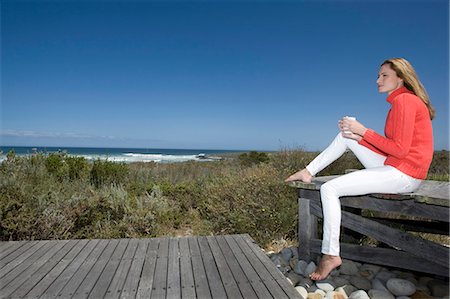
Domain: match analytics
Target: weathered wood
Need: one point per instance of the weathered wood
(304, 229)
(430, 192)
(186, 274)
(212, 273)
(242, 280)
(228, 281)
(206, 267)
(101, 287)
(159, 289)
(40, 269)
(435, 253)
(17, 257)
(200, 278)
(148, 270)
(274, 272)
(273, 287)
(385, 257)
(431, 227)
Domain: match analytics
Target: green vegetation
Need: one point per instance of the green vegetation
(58, 196)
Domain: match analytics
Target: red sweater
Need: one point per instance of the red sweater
(408, 144)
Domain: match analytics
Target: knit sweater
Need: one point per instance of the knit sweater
(408, 144)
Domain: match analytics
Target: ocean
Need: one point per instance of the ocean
(126, 155)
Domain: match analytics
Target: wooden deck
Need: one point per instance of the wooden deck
(230, 266)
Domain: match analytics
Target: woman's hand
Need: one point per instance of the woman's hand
(352, 128)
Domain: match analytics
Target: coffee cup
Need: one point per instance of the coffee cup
(351, 118)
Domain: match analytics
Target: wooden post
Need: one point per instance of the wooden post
(304, 229)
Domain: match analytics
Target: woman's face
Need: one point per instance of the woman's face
(387, 80)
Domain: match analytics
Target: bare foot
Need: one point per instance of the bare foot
(326, 265)
(302, 175)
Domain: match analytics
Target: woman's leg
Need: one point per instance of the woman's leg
(337, 148)
(384, 179)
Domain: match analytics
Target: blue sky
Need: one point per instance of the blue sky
(252, 75)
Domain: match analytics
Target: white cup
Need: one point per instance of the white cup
(351, 118)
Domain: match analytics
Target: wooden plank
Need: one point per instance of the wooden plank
(242, 281)
(101, 287)
(186, 274)
(8, 248)
(247, 268)
(276, 274)
(200, 277)
(30, 257)
(15, 258)
(428, 250)
(148, 271)
(71, 269)
(404, 207)
(159, 288)
(226, 275)
(134, 275)
(34, 274)
(116, 285)
(212, 273)
(94, 273)
(173, 270)
(76, 280)
(40, 288)
(304, 229)
(272, 286)
(385, 257)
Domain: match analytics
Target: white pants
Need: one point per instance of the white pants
(376, 178)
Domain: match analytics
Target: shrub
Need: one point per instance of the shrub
(108, 173)
(248, 159)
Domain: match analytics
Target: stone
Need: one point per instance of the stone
(293, 277)
(278, 261)
(378, 285)
(335, 295)
(371, 268)
(342, 292)
(438, 288)
(294, 250)
(348, 267)
(360, 294)
(314, 296)
(335, 272)
(305, 282)
(286, 254)
(403, 297)
(310, 269)
(379, 294)
(424, 280)
(340, 281)
(321, 292)
(347, 289)
(302, 291)
(326, 285)
(361, 283)
(384, 276)
(400, 287)
(300, 267)
(420, 295)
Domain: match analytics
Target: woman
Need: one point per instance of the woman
(394, 163)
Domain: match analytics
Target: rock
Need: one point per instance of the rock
(342, 292)
(400, 287)
(321, 292)
(360, 294)
(326, 285)
(361, 283)
(438, 288)
(305, 282)
(384, 276)
(284, 269)
(335, 272)
(340, 281)
(278, 261)
(403, 297)
(286, 254)
(302, 291)
(314, 296)
(420, 295)
(294, 251)
(348, 268)
(424, 280)
(335, 295)
(310, 269)
(347, 289)
(378, 285)
(293, 277)
(379, 294)
(300, 267)
(371, 268)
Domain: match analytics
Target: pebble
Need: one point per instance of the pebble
(400, 287)
(353, 280)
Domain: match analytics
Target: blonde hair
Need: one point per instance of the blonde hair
(411, 81)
